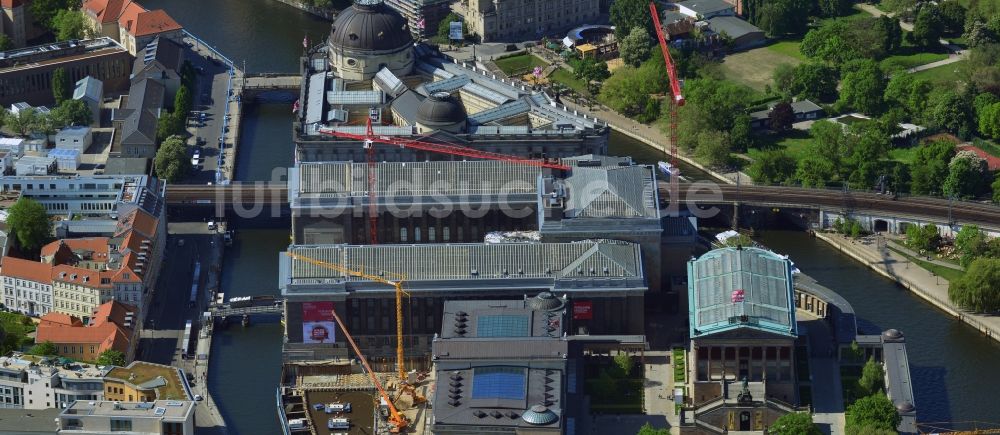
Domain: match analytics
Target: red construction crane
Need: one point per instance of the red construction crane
(370, 139)
(675, 84)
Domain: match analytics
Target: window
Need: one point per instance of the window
(121, 425)
(172, 428)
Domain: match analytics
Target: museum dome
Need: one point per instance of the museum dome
(545, 301)
(370, 25)
(440, 109)
(539, 415)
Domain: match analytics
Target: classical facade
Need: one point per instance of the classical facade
(367, 37)
(517, 20)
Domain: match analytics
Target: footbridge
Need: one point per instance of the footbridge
(271, 82)
(223, 311)
(877, 212)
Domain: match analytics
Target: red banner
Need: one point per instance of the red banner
(583, 310)
(317, 322)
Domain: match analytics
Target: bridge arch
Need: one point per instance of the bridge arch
(880, 225)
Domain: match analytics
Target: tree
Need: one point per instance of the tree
(872, 376)
(782, 116)
(5, 42)
(924, 239)
(908, 93)
(890, 32)
(648, 429)
(875, 410)
(978, 290)
(169, 125)
(834, 8)
(772, 167)
(590, 69)
(989, 119)
(783, 76)
(950, 111)
(182, 102)
(713, 148)
(863, 86)
(970, 243)
(977, 33)
(61, 87)
(930, 167)
(635, 47)
(741, 135)
(967, 175)
(626, 15)
(45, 348)
(624, 363)
(953, 17)
(815, 80)
(70, 24)
(782, 17)
(813, 172)
(71, 112)
(45, 11)
(444, 27)
(29, 222)
(23, 121)
(927, 28)
(171, 160)
(794, 423)
(111, 357)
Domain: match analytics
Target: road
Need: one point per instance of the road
(210, 97)
(160, 340)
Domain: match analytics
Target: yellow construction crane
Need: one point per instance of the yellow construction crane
(395, 280)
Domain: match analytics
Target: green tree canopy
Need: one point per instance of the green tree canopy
(444, 25)
(5, 42)
(908, 93)
(815, 80)
(71, 112)
(927, 29)
(22, 122)
(182, 101)
(61, 87)
(989, 119)
(953, 17)
(863, 86)
(967, 175)
(111, 357)
(869, 430)
(741, 135)
(794, 423)
(70, 24)
(876, 411)
(168, 125)
(45, 348)
(978, 290)
(45, 11)
(889, 33)
(930, 167)
(634, 49)
(29, 223)
(624, 363)
(626, 15)
(834, 8)
(713, 148)
(772, 167)
(970, 243)
(782, 17)
(996, 188)
(648, 429)
(872, 376)
(923, 238)
(171, 161)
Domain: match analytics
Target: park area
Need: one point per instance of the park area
(615, 385)
(755, 68)
(519, 64)
(17, 329)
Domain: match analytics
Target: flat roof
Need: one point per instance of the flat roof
(28, 421)
(166, 409)
(900, 385)
(731, 288)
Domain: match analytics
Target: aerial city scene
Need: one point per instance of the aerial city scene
(525, 217)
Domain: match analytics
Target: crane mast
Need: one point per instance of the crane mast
(677, 98)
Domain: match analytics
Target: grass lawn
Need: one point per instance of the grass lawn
(145, 372)
(904, 155)
(947, 273)
(794, 142)
(567, 79)
(755, 68)
(951, 73)
(907, 61)
(625, 399)
(679, 365)
(520, 63)
(15, 329)
(788, 48)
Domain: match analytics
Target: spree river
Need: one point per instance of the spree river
(953, 367)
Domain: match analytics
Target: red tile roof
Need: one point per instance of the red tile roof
(137, 21)
(106, 11)
(80, 276)
(127, 273)
(138, 220)
(8, 4)
(60, 319)
(98, 246)
(108, 329)
(993, 162)
(26, 269)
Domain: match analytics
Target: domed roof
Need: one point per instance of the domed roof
(905, 407)
(892, 334)
(370, 25)
(440, 109)
(545, 301)
(539, 415)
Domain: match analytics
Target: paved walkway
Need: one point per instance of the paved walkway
(827, 396)
(921, 282)
(899, 246)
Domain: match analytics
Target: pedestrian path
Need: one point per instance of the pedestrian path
(900, 247)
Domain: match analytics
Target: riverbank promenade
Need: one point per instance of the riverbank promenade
(874, 253)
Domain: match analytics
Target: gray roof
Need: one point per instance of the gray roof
(89, 87)
(73, 132)
(387, 82)
(370, 25)
(763, 280)
(706, 7)
(355, 98)
(126, 166)
(621, 192)
(801, 106)
(900, 385)
(139, 128)
(587, 260)
(405, 106)
(160, 55)
(145, 100)
(314, 100)
(29, 421)
(733, 27)
(496, 319)
(456, 404)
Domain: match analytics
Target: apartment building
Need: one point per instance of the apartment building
(27, 286)
(112, 326)
(168, 417)
(517, 20)
(129, 23)
(34, 382)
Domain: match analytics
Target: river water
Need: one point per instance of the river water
(953, 367)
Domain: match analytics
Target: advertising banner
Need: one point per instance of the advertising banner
(455, 30)
(583, 310)
(317, 322)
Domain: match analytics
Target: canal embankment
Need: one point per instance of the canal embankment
(874, 253)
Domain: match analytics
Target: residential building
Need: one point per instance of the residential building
(26, 73)
(27, 286)
(161, 60)
(706, 9)
(113, 326)
(34, 382)
(606, 276)
(166, 417)
(742, 327)
(129, 23)
(91, 92)
(18, 23)
(804, 110)
(76, 138)
(503, 366)
(143, 381)
(428, 12)
(513, 20)
(135, 125)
